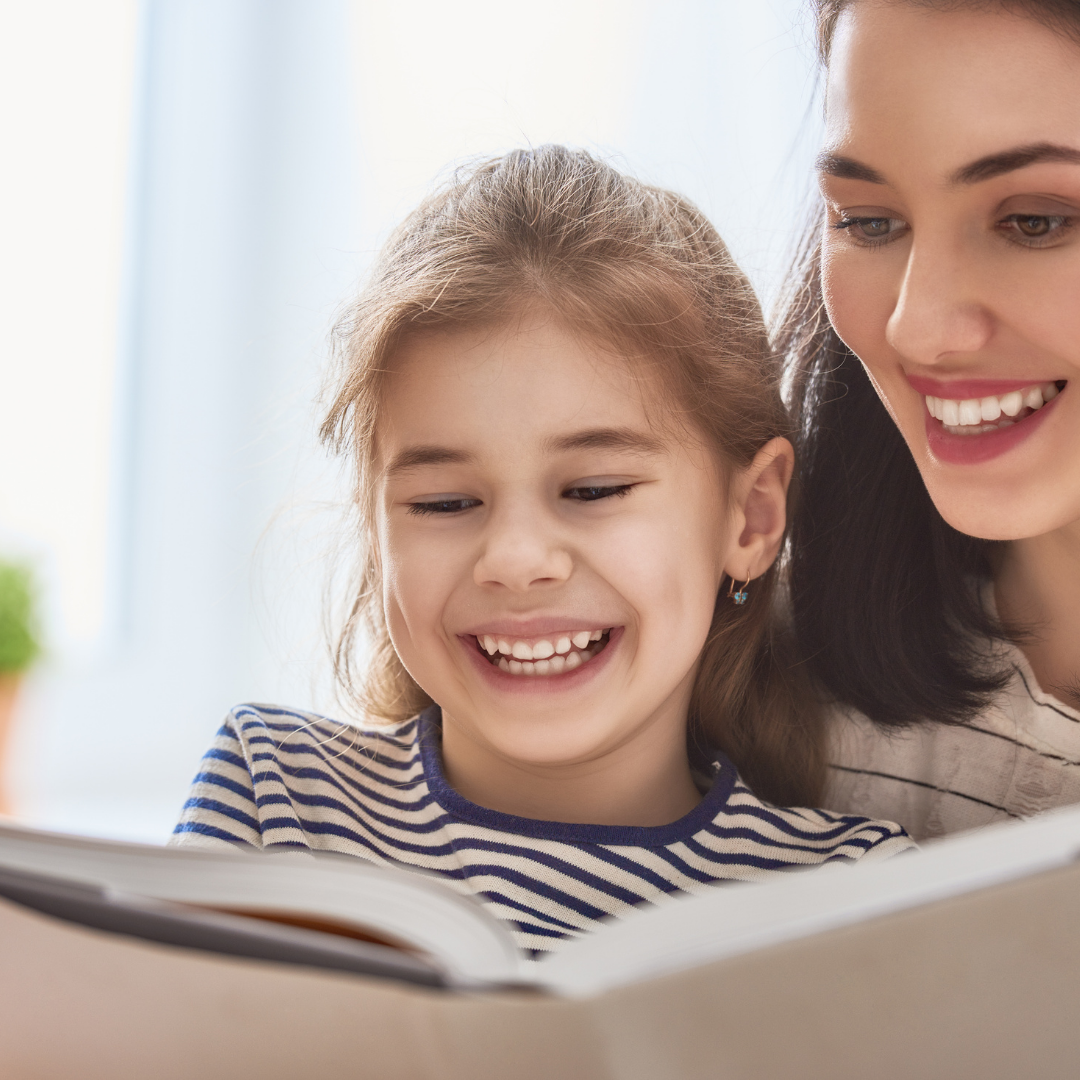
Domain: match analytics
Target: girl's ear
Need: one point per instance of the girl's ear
(760, 511)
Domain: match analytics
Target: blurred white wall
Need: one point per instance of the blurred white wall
(187, 200)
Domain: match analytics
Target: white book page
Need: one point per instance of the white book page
(731, 919)
(470, 944)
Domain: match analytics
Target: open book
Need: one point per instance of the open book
(341, 913)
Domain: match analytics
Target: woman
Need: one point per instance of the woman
(936, 567)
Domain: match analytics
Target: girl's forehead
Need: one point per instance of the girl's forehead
(525, 380)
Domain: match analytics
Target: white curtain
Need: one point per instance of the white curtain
(275, 144)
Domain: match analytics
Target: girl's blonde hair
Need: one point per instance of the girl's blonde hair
(642, 271)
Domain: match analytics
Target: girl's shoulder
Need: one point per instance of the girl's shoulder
(287, 732)
(818, 835)
(276, 775)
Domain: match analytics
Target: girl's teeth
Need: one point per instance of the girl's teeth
(989, 409)
(950, 413)
(543, 657)
(1033, 397)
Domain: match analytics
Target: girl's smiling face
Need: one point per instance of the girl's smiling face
(951, 253)
(551, 547)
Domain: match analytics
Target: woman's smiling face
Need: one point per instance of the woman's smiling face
(951, 250)
(550, 556)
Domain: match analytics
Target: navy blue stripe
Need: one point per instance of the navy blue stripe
(505, 901)
(215, 807)
(279, 770)
(366, 792)
(201, 828)
(310, 721)
(366, 815)
(217, 780)
(785, 825)
(216, 753)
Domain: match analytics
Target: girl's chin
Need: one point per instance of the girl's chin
(564, 682)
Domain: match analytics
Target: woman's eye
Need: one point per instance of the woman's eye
(871, 230)
(590, 493)
(443, 506)
(1025, 227)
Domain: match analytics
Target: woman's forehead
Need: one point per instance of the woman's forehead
(908, 83)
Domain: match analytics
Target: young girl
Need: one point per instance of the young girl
(571, 475)
(936, 569)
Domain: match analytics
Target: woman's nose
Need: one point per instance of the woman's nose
(939, 312)
(522, 551)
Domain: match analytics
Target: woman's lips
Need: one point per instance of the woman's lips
(959, 389)
(971, 449)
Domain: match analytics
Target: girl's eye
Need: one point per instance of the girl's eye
(870, 231)
(590, 493)
(1026, 228)
(443, 506)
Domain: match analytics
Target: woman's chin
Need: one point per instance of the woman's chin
(994, 512)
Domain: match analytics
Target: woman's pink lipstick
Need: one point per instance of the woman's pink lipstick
(974, 447)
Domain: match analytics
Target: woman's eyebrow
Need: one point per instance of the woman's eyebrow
(413, 457)
(1019, 157)
(605, 439)
(984, 168)
(846, 168)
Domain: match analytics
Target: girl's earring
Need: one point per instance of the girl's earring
(740, 596)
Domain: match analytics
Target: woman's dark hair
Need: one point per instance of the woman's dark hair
(886, 597)
(884, 594)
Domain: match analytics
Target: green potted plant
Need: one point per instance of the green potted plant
(19, 647)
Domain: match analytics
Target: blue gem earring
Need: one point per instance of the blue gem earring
(740, 596)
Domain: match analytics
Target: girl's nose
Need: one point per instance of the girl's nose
(522, 553)
(939, 312)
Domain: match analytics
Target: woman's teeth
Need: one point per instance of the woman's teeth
(975, 416)
(548, 656)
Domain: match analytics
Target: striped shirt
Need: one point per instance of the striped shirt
(277, 777)
(1020, 757)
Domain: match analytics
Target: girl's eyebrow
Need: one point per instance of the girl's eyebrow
(413, 457)
(605, 439)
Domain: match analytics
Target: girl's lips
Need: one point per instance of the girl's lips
(540, 684)
(542, 626)
(973, 449)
